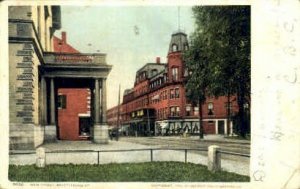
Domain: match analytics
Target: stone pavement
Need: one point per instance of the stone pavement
(119, 157)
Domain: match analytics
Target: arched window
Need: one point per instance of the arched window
(174, 48)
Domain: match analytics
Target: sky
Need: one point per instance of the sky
(130, 36)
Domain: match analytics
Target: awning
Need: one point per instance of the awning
(136, 120)
(155, 97)
(164, 125)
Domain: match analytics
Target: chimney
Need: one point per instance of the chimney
(158, 60)
(64, 37)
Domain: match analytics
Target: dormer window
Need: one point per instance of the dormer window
(153, 72)
(174, 48)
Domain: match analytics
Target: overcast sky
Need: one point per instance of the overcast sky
(130, 36)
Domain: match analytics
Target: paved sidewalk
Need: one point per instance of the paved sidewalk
(211, 138)
(119, 157)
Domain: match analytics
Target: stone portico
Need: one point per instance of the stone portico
(75, 70)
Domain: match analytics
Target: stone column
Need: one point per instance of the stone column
(225, 127)
(103, 99)
(96, 102)
(44, 101)
(216, 126)
(50, 130)
(100, 134)
(52, 102)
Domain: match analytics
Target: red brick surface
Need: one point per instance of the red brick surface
(68, 119)
(61, 45)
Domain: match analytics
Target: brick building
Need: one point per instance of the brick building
(157, 103)
(112, 116)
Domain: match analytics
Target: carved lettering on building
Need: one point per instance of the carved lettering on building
(27, 59)
(23, 29)
(24, 53)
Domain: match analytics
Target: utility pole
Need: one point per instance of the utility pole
(118, 117)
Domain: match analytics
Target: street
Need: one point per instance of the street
(235, 146)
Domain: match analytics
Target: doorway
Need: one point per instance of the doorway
(221, 127)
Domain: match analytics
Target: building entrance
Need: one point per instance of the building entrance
(221, 127)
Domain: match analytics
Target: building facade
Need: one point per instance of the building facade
(74, 104)
(157, 104)
(37, 73)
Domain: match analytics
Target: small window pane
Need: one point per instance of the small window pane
(62, 101)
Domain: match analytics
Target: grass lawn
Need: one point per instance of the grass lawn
(125, 172)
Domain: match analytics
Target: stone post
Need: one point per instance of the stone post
(231, 128)
(214, 158)
(40, 157)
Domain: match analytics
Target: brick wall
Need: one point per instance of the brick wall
(68, 119)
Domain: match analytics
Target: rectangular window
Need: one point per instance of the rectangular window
(172, 111)
(177, 93)
(172, 94)
(175, 74)
(196, 111)
(210, 106)
(62, 102)
(177, 111)
(188, 110)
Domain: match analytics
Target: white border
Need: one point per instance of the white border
(275, 95)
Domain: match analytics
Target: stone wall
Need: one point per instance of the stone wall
(23, 95)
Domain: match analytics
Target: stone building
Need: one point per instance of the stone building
(157, 103)
(36, 73)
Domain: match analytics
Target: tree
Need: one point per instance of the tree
(225, 31)
(197, 81)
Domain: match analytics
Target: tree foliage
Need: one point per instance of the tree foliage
(197, 81)
(219, 55)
